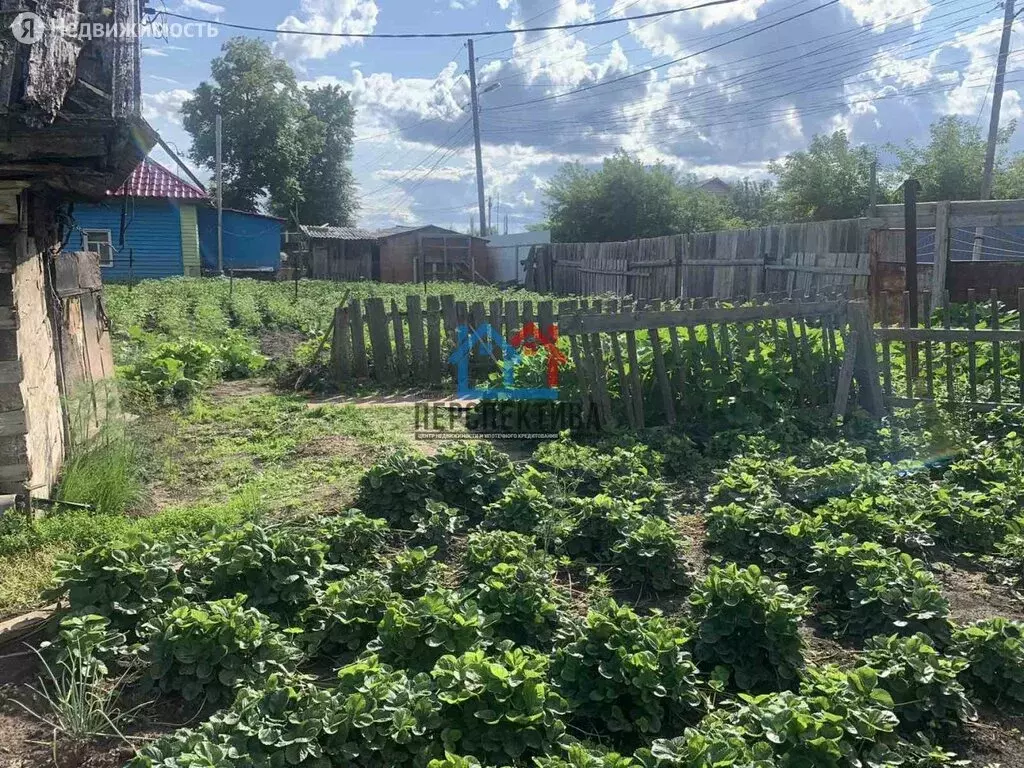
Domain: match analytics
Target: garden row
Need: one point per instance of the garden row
(468, 615)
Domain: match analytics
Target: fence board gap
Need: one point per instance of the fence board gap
(434, 340)
(929, 354)
(886, 348)
(359, 362)
(972, 352)
(909, 350)
(634, 378)
(997, 359)
(401, 362)
(950, 362)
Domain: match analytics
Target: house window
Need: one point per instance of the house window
(98, 241)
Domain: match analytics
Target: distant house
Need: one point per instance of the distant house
(395, 255)
(715, 186)
(170, 229)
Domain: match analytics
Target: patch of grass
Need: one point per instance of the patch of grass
(105, 473)
(24, 576)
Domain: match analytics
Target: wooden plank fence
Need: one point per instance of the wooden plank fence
(795, 259)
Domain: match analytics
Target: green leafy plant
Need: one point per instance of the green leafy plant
(174, 371)
(415, 634)
(413, 571)
(278, 570)
(871, 589)
(238, 359)
(437, 526)
(397, 488)
(84, 641)
(598, 524)
(210, 649)
(971, 521)
(352, 539)
(345, 617)
(765, 531)
(994, 650)
(650, 555)
(523, 505)
(577, 756)
(498, 705)
(627, 675)
(750, 625)
(484, 550)
(124, 583)
(923, 684)
(469, 476)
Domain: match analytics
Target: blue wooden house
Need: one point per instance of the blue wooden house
(158, 225)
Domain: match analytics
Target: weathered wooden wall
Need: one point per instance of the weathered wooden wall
(792, 259)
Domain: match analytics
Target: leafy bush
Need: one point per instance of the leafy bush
(838, 719)
(211, 649)
(994, 650)
(345, 617)
(413, 571)
(279, 570)
(416, 634)
(397, 488)
(896, 515)
(174, 371)
(764, 531)
(484, 550)
(469, 476)
(874, 590)
(597, 525)
(576, 756)
(523, 505)
(923, 683)
(970, 521)
(626, 674)
(499, 706)
(87, 643)
(124, 583)
(436, 526)
(352, 539)
(650, 555)
(238, 359)
(750, 625)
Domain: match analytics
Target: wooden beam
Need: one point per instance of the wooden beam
(943, 236)
(965, 213)
(11, 373)
(637, 321)
(17, 473)
(955, 335)
(866, 363)
(13, 424)
(846, 271)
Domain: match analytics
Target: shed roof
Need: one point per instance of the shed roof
(337, 233)
(152, 180)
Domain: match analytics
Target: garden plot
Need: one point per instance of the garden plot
(550, 612)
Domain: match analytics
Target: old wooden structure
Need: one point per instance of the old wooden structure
(72, 129)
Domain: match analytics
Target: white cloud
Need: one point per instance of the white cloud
(200, 5)
(161, 79)
(165, 105)
(879, 14)
(330, 16)
(156, 52)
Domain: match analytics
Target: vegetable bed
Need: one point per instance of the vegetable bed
(476, 611)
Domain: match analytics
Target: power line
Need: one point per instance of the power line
(439, 35)
(648, 70)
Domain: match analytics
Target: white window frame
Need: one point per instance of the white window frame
(87, 234)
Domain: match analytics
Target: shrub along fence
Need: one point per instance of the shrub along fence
(654, 362)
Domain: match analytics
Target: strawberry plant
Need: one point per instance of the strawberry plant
(650, 555)
(576, 756)
(436, 526)
(749, 625)
(970, 521)
(278, 570)
(899, 518)
(345, 616)
(486, 550)
(521, 602)
(764, 531)
(353, 539)
(923, 684)
(123, 582)
(413, 571)
(498, 705)
(397, 488)
(210, 649)
(627, 675)
(469, 476)
(87, 643)
(598, 524)
(523, 505)
(415, 634)
(871, 589)
(994, 650)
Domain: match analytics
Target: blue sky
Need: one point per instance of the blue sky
(751, 81)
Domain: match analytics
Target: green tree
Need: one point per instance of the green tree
(269, 135)
(829, 180)
(626, 200)
(326, 184)
(755, 202)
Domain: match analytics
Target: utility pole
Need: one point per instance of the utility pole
(993, 124)
(220, 194)
(476, 138)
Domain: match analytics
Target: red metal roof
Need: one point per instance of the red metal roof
(153, 180)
